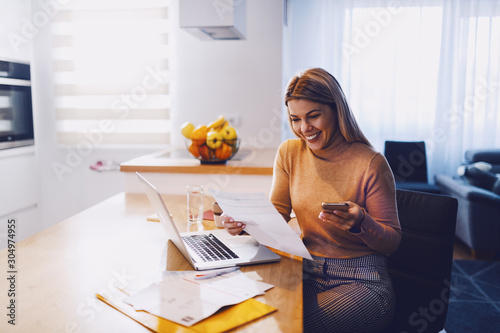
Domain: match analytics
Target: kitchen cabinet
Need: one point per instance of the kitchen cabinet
(19, 192)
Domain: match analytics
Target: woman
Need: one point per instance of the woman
(346, 285)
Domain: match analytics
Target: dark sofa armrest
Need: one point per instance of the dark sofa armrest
(459, 188)
(491, 156)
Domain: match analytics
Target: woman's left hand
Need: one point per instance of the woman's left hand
(344, 220)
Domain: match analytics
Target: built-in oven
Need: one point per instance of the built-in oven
(16, 109)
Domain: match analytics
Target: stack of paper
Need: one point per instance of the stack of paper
(186, 301)
(179, 298)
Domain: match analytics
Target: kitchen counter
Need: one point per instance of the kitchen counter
(250, 170)
(245, 162)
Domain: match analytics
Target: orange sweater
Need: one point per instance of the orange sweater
(348, 171)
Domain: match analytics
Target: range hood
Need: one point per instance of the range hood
(214, 19)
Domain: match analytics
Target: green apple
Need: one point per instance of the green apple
(214, 139)
(229, 133)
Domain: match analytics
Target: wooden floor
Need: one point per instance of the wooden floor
(461, 251)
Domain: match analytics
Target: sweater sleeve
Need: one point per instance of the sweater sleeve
(380, 229)
(280, 189)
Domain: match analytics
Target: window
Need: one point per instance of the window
(412, 71)
(393, 70)
(111, 72)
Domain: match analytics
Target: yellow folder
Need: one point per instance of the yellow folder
(223, 320)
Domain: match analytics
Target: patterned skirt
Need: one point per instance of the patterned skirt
(347, 295)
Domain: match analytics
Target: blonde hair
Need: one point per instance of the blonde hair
(319, 86)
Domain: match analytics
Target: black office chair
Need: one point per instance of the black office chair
(420, 268)
(408, 162)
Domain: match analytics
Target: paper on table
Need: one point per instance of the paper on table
(186, 301)
(222, 321)
(262, 221)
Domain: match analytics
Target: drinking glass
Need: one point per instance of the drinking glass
(195, 203)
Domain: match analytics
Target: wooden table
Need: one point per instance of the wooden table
(59, 270)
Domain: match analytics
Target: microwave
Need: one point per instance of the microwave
(16, 108)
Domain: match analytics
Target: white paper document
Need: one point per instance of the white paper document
(183, 299)
(262, 221)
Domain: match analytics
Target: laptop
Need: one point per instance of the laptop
(208, 249)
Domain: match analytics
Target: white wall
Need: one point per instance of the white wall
(208, 78)
(13, 16)
(241, 77)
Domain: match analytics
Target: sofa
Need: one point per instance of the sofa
(476, 186)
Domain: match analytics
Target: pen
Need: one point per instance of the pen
(214, 274)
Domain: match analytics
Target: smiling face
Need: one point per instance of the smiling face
(313, 122)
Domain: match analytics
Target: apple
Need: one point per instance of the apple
(214, 139)
(229, 133)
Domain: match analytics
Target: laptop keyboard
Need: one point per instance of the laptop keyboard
(209, 248)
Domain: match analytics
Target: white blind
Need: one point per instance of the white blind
(111, 72)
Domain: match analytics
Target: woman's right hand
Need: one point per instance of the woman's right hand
(233, 227)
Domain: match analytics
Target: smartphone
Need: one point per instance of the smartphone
(331, 206)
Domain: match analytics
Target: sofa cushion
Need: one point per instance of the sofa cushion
(478, 174)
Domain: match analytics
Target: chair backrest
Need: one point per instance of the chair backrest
(407, 160)
(420, 268)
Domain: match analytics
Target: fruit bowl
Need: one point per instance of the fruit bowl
(202, 150)
(214, 143)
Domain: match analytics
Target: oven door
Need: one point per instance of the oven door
(16, 115)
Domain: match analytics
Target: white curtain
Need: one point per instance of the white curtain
(405, 66)
(468, 108)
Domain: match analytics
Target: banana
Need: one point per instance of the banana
(216, 123)
(220, 128)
